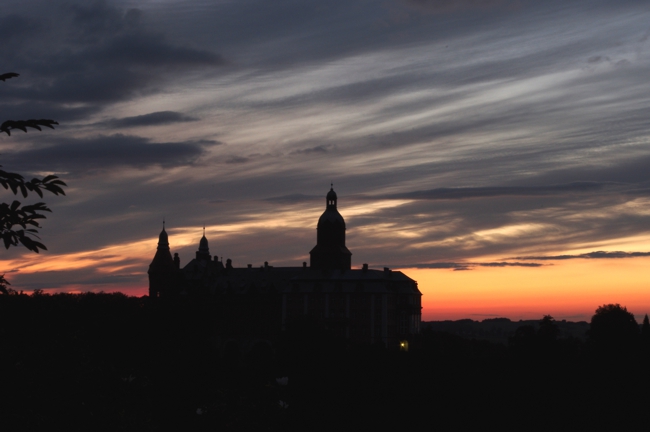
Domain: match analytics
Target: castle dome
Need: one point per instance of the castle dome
(331, 214)
(330, 251)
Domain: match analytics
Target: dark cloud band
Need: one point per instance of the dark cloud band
(456, 266)
(590, 255)
(104, 153)
(483, 192)
(158, 118)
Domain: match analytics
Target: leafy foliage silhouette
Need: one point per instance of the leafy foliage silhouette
(613, 326)
(4, 289)
(19, 223)
(548, 330)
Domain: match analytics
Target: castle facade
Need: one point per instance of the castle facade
(363, 305)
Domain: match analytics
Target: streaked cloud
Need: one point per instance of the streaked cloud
(92, 54)
(460, 193)
(442, 6)
(151, 119)
(589, 255)
(458, 266)
(106, 152)
(455, 133)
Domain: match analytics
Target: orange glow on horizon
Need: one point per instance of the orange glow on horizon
(570, 290)
(566, 289)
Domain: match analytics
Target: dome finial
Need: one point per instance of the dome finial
(204, 250)
(331, 197)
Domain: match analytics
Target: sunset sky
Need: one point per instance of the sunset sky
(496, 151)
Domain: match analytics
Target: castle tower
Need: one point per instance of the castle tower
(330, 252)
(204, 251)
(162, 270)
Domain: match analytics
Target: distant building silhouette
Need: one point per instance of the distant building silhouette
(363, 305)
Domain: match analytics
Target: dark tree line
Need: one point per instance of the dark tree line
(112, 362)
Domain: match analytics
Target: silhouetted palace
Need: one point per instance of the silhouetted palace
(363, 305)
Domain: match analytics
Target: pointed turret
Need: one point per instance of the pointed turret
(162, 270)
(204, 251)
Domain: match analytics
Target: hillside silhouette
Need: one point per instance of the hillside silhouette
(113, 362)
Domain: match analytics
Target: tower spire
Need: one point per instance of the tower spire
(204, 250)
(162, 270)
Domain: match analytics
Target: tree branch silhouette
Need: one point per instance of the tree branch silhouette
(19, 223)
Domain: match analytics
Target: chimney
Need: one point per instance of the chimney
(365, 267)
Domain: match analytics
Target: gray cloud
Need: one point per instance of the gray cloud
(509, 264)
(109, 35)
(93, 53)
(293, 198)
(442, 6)
(13, 28)
(589, 255)
(236, 160)
(152, 119)
(104, 153)
(630, 169)
(458, 266)
(482, 192)
(149, 50)
(546, 219)
(47, 109)
(319, 149)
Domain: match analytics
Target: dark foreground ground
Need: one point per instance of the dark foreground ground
(110, 362)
